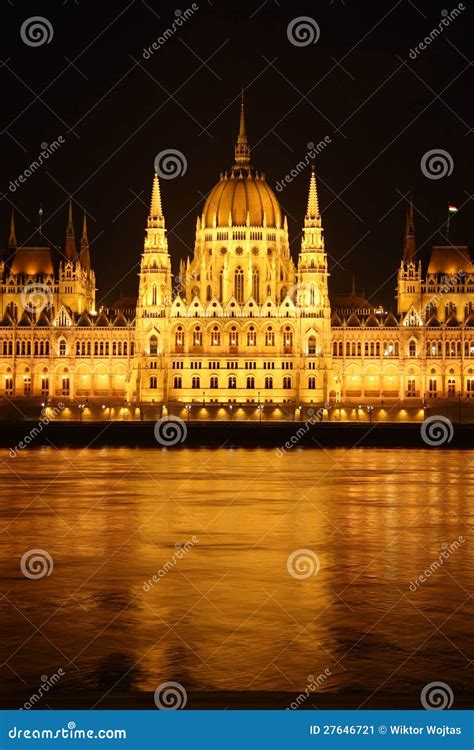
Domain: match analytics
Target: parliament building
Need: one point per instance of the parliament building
(242, 332)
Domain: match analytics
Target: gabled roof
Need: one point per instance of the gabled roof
(43, 321)
(391, 321)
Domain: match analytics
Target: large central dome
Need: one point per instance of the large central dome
(242, 196)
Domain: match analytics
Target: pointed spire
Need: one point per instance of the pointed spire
(12, 239)
(312, 218)
(156, 218)
(409, 245)
(70, 247)
(242, 148)
(84, 255)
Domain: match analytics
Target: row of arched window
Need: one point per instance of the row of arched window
(24, 348)
(103, 348)
(451, 348)
(233, 337)
(231, 382)
(370, 348)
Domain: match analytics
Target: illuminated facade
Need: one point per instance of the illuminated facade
(240, 324)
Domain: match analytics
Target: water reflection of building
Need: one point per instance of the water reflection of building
(243, 324)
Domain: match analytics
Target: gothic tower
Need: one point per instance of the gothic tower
(312, 297)
(154, 301)
(409, 274)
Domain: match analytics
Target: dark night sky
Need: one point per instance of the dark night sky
(117, 110)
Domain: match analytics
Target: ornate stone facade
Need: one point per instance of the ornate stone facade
(240, 328)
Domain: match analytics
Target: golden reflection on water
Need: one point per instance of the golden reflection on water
(227, 615)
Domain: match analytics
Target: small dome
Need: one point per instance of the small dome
(240, 193)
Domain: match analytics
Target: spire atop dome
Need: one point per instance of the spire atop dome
(156, 218)
(242, 148)
(409, 246)
(12, 239)
(312, 217)
(70, 247)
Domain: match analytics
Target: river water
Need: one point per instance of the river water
(235, 573)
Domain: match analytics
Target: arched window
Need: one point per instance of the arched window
(250, 382)
(311, 384)
(268, 382)
(197, 336)
(232, 381)
(286, 383)
(196, 382)
(153, 381)
(288, 337)
(221, 285)
(26, 384)
(177, 381)
(154, 295)
(153, 345)
(179, 338)
(239, 285)
(209, 293)
(251, 336)
(312, 295)
(334, 349)
(214, 382)
(233, 337)
(62, 348)
(256, 285)
(269, 337)
(412, 348)
(312, 345)
(215, 336)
